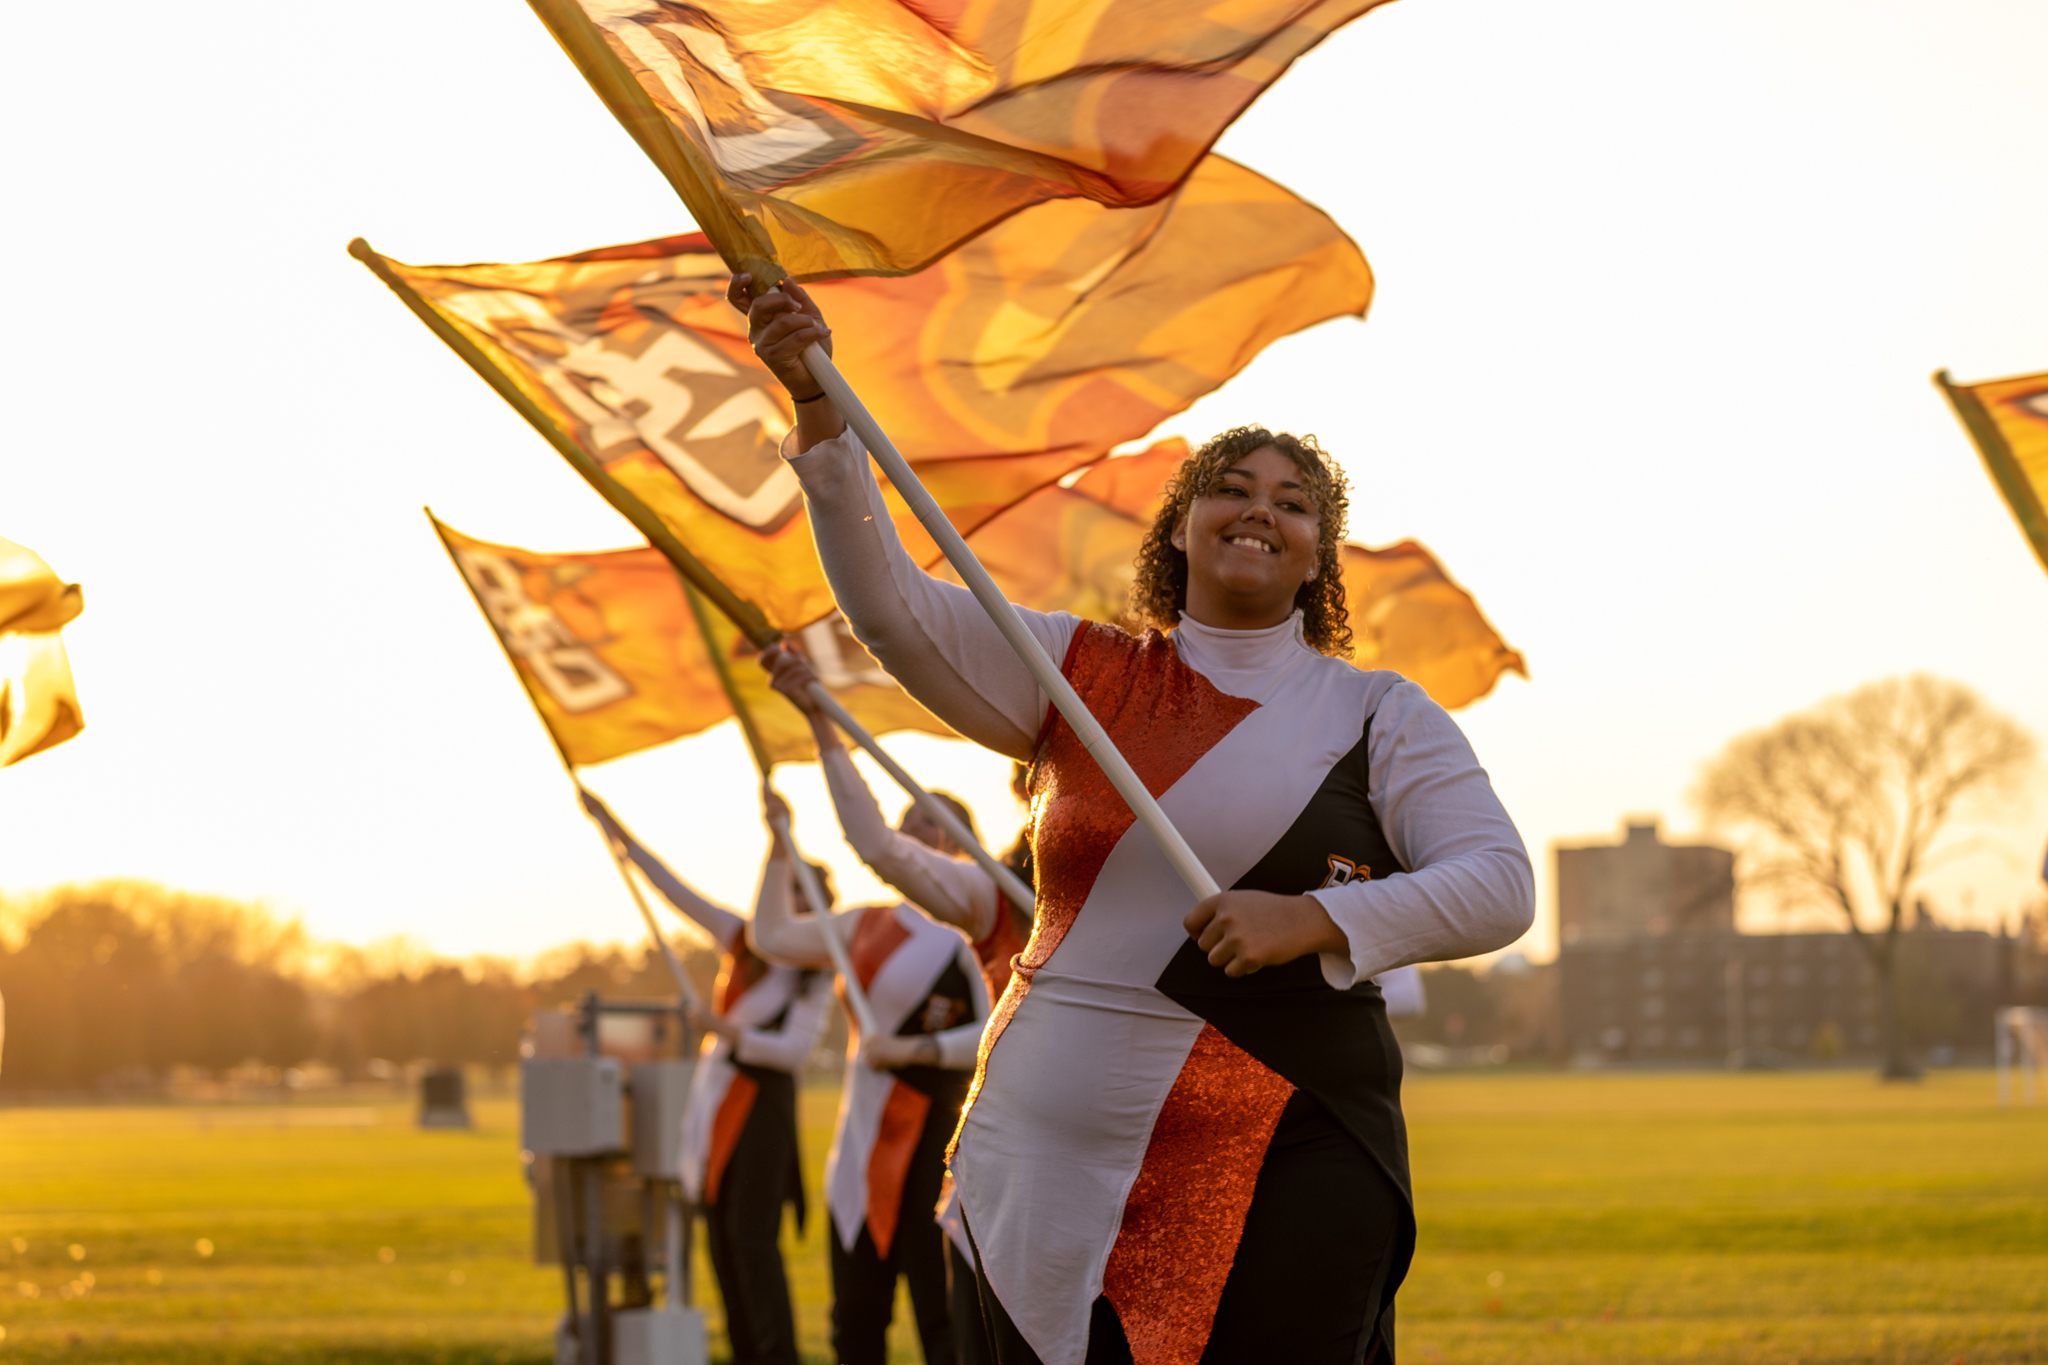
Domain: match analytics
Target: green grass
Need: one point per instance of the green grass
(1793, 1217)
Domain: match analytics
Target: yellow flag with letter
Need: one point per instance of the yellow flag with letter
(1037, 348)
(1074, 547)
(838, 137)
(617, 657)
(2008, 419)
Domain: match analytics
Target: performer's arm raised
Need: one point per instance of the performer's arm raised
(723, 925)
(945, 887)
(777, 931)
(931, 636)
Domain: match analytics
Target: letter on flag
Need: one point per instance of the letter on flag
(2008, 419)
(1039, 347)
(1073, 547)
(38, 703)
(615, 657)
(840, 137)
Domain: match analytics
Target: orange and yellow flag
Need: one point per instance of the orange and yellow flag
(840, 137)
(1074, 547)
(1035, 349)
(2008, 419)
(618, 658)
(38, 701)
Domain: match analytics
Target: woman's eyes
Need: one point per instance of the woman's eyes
(1239, 491)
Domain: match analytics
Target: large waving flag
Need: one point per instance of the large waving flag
(1035, 349)
(618, 657)
(2008, 419)
(1073, 547)
(837, 137)
(38, 702)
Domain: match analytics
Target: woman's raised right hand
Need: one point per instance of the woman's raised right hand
(782, 322)
(790, 673)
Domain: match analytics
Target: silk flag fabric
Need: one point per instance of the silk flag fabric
(615, 658)
(32, 597)
(2008, 419)
(1074, 548)
(837, 137)
(38, 705)
(1036, 349)
(38, 702)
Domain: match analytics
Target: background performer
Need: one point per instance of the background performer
(897, 1107)
(739, 1147)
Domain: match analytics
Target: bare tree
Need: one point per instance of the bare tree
(1846, 803)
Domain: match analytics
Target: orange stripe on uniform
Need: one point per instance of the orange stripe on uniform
(1186, 1210)
(889, 1161)
(1164, 716)
(726, 1126)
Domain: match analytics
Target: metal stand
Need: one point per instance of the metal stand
(620, 1221)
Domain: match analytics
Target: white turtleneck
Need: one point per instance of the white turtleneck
(1465, 887)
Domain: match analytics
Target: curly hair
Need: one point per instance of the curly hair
(1160, 590)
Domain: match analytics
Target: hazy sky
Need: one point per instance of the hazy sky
(1660, 290)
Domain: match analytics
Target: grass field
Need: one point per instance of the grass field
(1784, 1217)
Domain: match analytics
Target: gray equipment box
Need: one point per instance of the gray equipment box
(572, 1106)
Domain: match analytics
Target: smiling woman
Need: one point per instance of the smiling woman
(1281, 501)
(1184, 1137)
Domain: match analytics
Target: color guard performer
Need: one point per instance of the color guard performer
(1184, 1142)
(739, 1147)
(897, 1107)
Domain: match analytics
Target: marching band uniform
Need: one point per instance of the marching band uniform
(1157, 1162)
(888, 1152)
(958, 892)
(740, 1159)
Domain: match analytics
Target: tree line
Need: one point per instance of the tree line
(120, 984)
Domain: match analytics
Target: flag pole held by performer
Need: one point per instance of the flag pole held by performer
(1008, 882)
(1043, 670)
(821, 914)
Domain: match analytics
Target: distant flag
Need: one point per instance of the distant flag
(1074, 548)
(614, 654)
(38, 702)
(1037, 348)
(2008, 419)
(874, 136)
(32, 597)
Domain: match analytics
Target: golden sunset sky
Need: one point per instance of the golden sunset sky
(1660, 290)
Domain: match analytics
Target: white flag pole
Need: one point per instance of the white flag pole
(1043, 670)
(821, 915)
(1007, 882)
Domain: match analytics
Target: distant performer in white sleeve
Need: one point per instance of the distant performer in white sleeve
(740, 1159)
(1184, 1141)
(897, 1106)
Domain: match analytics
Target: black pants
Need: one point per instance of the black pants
(744, 1230)
(971, 1342)
(1309, 1282)
(864, 1282)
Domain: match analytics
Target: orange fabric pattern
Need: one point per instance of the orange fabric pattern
(1164, 716)
(872, 136)
(609, 649)
(1186, 1211)
(726, 1127)
(903, 1119)
(1034, 349)
(877, 933)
